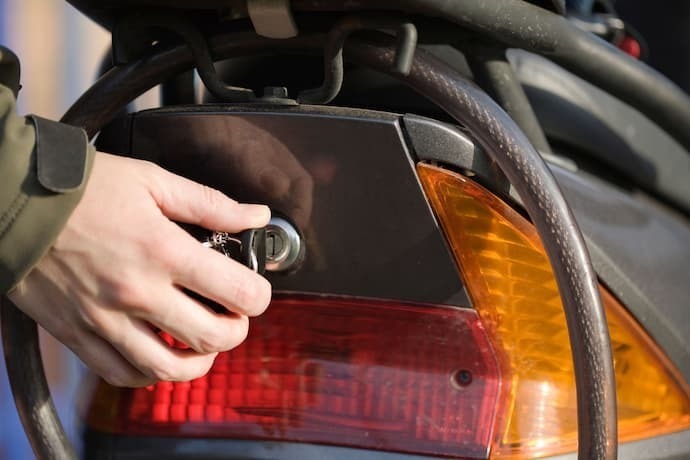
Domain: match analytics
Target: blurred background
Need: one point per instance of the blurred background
(59, 49)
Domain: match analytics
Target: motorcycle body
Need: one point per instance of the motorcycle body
(415, 312)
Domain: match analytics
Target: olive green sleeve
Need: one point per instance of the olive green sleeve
(43, 169)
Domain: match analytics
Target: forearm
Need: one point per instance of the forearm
(43, 167)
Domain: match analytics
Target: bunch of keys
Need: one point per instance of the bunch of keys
(248, 247)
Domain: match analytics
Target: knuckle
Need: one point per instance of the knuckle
(214, 341)
(117, 377)
(164, 370)
(149, 173)
(180, 257)
(265, 294)
(226, 338)
(212, 198)
(252, 294)
(240, 330)
(127, 291)
(205, 368)
(258, 296)
(93, 318)
(166, 255)
(176, 370)
(146, 310)
(112, 378)
(172, 260)
(149, 167)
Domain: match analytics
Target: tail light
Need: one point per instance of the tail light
(513, 289)
(361, 373)
(496, 380)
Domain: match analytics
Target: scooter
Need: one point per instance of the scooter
(479, 240)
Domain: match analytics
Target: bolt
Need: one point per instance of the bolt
(279, 92)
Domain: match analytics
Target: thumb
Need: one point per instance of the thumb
(186, 201)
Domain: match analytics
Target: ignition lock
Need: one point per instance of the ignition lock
(275, 248)
(283, 245)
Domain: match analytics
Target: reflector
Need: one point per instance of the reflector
(351, 372)
(512, 286)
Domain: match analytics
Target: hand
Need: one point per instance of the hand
(119, 267)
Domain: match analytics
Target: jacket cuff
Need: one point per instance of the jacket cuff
(54, 176)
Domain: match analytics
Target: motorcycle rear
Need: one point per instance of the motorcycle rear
(433, 294)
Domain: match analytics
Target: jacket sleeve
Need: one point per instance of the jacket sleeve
(44, 166)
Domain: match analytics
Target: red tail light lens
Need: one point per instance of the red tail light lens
(368, 374)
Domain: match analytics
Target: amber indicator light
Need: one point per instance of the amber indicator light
(513, 289)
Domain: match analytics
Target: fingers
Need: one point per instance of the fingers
(106, 362)
(222, 280)
(186, 201)
(95, 352)
(198, 327)
(147, 352)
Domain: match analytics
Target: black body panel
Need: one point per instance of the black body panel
(99, 446)
(343, 176)
(619, 138)
(641, 252)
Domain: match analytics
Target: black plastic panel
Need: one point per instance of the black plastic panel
(100, 446)
(623, 140)
(641, 251)
(343, 176)
(431, 140)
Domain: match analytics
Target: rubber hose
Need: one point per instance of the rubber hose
(500, 137)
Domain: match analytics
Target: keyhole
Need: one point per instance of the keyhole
(271, 245)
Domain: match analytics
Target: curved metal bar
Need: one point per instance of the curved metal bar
(519, 24)
(29, 386)
(196, 41)
(102, 101)
(507, 145)
(333, 54)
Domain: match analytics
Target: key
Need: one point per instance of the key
(248, 247)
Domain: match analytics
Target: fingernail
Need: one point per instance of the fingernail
(259, 212)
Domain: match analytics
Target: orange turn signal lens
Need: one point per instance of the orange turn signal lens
(512, 287)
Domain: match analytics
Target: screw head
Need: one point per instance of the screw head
(461, 378)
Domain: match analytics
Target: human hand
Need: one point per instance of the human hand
(119, 267)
